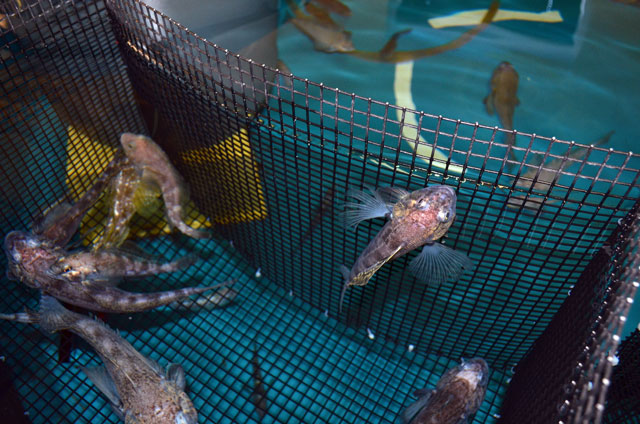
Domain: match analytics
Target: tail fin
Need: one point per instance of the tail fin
(345, 273)
(53, 316)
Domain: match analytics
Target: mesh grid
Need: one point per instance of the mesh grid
(263, 154)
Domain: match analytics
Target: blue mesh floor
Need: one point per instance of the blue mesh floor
(314, 368)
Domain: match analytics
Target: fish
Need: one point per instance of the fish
(30, 260)
(112, 264)
(259, 394)
(325, 208)
(60, 222)
(544, 175)
(137, 388)
(388, 55)
(153, 164)
(326, 36)
(415, 219)
(334, 6)
(502, 98)
(456, 398)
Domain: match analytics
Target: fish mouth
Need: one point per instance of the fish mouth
(11, 245)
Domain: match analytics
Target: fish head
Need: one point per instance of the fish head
(139, 149)
(343, 42)
(26, 254)
(434, 207)
(475, 371)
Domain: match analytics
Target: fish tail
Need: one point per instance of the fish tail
(178, 264)
(345, 274)
(53, 317)
(174, 214)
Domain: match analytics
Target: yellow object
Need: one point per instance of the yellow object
(232, 166)
(86, 159)
(474, 17)
(404, 99)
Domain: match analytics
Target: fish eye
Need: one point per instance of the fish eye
(443, 216)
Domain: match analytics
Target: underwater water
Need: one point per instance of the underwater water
(577, 78)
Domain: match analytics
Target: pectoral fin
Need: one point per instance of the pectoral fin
(488, 103)
(175, 373)
(414, 409)
(371, 205)
(101, 378)
(438, 263)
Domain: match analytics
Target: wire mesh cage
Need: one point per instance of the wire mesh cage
(269, 158)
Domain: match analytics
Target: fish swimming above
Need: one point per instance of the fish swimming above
(326, 35)
(139, 391)
(502, 98)
(456, 398)
(33, 262)
(540, 178)
(416, 219)
(153, 166)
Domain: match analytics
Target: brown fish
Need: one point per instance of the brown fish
(326, 36)
(416, 219)
(259, 394)
(60, 222)
(456, 398)
(335, 6)
(325, 208)
(112, 264)
(502, 98)
(544, 175)
(138, 390)
(30, 261)
(153, 164)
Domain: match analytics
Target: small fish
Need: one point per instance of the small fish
(502, 98)
(456, 398)
(325, 208)
(416, 219)
(60, 222)
(546, 174)
(335, 6)
(259, 395)
(138, 390)
(30, 261)
(112, 264)
(327, 37)
(152, 163)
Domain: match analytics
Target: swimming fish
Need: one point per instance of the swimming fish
(327, 36)
(325, 208)
(334, 6)
(30, 261)
(153, 164)
(259, 394)
(417, 218)
(502, 98)
(112, 265)
(60, 222)
(456, 398)
(546, 174)
(138, 390)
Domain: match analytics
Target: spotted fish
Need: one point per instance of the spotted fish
(31, 260)
(153, 165)
(139, 391)
(416, 219)
(456, 398)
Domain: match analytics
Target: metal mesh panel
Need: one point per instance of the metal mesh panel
(262, 152)
(623, 400)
